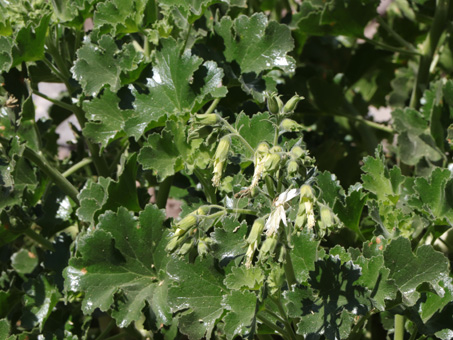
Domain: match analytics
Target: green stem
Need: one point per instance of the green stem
(45, 243)
(399, 327)
(395, 35)
(213, 105)
(55, 70)
(163, 192)
(429, 48)
(236, 134)
(50, 171)
(289, 269)
(269, 185)
(77, 166)
(285, 318)
(264, 337)
(386, 47)
(241, 211)
(119, 336)
(107, 330)
(57, 102)
(275, 328)
(359, 326)
(208, 189)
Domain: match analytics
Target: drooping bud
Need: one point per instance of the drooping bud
(272, 162)
(203, 246)
(305, 213)
(276, 149)
(327, 217)
(268, 247)
(185, 248)
(187, 222)
(257, 230)
(261, 154)
(206, 119)
(297, 152)
(172, 244)
(274, 104)
(220, 157)
(291, 125)
(292, 167)
(291, 104)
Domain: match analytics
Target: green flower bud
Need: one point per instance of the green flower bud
(327, 218)
(291, 104)
(203, 210)
(185, 248)
(276, 149)
(292, 167)
(274, 104)
(257, 230)
(261, 150)
(203, 246)
(172, 244)
(291, 125)
(297, 152)
(306, 191)
(272, 162)
(268, 247)
(187, 222)
(222, 149)
(206, 119)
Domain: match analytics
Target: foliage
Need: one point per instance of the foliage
(301, 216)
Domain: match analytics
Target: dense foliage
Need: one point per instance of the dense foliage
(302, 217)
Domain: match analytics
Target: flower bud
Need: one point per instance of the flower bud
(257, 230)
(291, 125)
(203, 210)
(206, 119)
(274, 104)
(220, 157)
(297, 152)
(291, 104)
(203, 246)
(327, 218)
(276, 149)
(187, 222)
(272, 162)
(250, 253)
(185, 248)
(172, 244)
(292, 167)
(268, 247)
(306, 191)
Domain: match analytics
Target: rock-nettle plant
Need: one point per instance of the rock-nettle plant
(295, 222)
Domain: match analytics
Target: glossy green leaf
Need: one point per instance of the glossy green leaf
(434, 303)
(119, 16)
(197, 287)
(409, 270)
(304, 255)
(244, 278)
(40, 298)
(116, 265)
(24, 261)
(229, 239)
(256, 44)
(101, 64)
(241, 316)
(330, 187)
(350, 212)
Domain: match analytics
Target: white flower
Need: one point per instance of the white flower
(279, 214)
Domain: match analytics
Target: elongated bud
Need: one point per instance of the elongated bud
(291, 104)
(305, 213)
(276, 149)
(306, 191)
(272, 162)
(291, 125)
(274, 104)
(185, 248)
(261, 151)
(203, 246)
(203, 210)
(187, 222)
(172, 244)
(261, 155)
(206, 119)
(220, 157)
(199, 132)
(297, 152)
(250, 253)
(257, 230)
(292, 167)
(326, 217)
(268, 247)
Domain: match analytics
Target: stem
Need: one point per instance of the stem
(269, 185)
(285, 318)
(57, 102)
(77, 167)
(397, 37)
(41, 240)
(213, 105)
(54, 70)
(107, 330)
(429, 48)
(241, 211)
(386, 47)
(236, 134)
(399, 327)
(269, 324)
(359, 325)
(50, 171)
(164, 190)
(208, 189)
(264, 337)
(289, 269)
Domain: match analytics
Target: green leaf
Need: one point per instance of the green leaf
(29, 42)
(95, 198)
(254, 130)
(436, 194)
(330, 187)
(190, 9)
(24, 261)
(100, 65)
(244, 278)
(39, 301)
(197, 287)
(350, 211)
(115, 265)
(304, 255)
(106, 121)
(240, 319)
(335, 17)
(181, 83)
(229, 239)
(434, 303)
(119, 16)
(256, 44)
(409, 270)
(6, 59)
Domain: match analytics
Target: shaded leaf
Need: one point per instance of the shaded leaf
(304, 255)
(241, 316)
